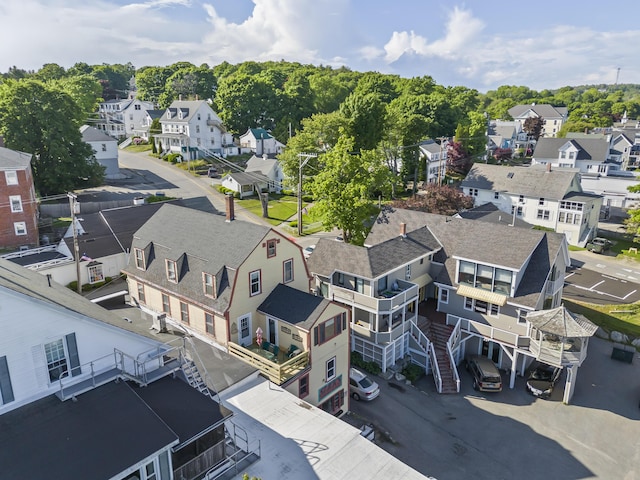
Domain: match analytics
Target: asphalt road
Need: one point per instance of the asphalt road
(512, 434)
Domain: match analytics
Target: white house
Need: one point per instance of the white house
(436, 160)
(270, 168)
(192, 128)
(122, 118)
(71, 383)
(588, 155)
(260, 142)
(105, 148)
(246, 183)
(554, 117)
(539, 195)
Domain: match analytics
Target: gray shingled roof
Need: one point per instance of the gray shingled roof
(560, 321)
(259, 165)
(188, 108)
(534, 181)
(199, 242)
(483, 242)
(488, 212)
(13, 159)
(294, 306)
(590, 148)
(543, 110)
(248, 178)
(92, 134)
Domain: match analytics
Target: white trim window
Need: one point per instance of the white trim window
(209, 284)
(444, 295)
(16, 203)
(287, 271)
(331, 369)
(11, 177)
(20, 228)
(172, 271)
(255, 284)
(140, 260)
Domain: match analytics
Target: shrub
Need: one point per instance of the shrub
(294, 224)
(307, 198)
(413, 372)
(369, 367)
(174, 158)
(288, 192)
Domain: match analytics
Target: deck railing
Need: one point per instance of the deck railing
(278, 373)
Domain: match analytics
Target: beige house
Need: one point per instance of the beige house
(242, 287)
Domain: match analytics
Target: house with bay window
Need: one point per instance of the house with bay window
(75, 384)
(244, 288)
(539, 195)
(480, 279)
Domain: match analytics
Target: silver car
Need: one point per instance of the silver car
(361, 386)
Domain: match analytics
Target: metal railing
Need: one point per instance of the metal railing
(101, 362)
(204, 462)
(435, 369)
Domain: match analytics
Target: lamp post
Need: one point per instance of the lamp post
(73, 205)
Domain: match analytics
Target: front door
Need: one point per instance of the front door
(244, 330)
(272, 332)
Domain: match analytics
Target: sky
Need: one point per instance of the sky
(478, 43)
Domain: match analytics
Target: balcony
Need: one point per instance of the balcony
(385, 301)
(489, 332)
(274, 364)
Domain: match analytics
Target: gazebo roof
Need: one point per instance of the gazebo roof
(562, 322)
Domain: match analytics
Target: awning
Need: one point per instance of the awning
(422, 280)
(480, 294)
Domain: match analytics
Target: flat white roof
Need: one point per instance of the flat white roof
(298, 440)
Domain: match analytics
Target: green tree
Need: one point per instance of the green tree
(365, 115)
(84, 89)
(44, 120)
(633, 220)
(345, 189)
(151, 82)
(50, 71)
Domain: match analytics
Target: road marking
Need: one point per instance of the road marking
(596, 285)
(599, 265)
(602, 293)
(631, 278)
(567, 276)
(630, 293)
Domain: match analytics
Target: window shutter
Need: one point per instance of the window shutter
(5, 382)
(74, 359)
(344, 321)
(315, 336)
(338, 324)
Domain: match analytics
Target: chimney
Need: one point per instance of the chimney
(403, 229)
(180, 97)
(229, 205)
(549, 167)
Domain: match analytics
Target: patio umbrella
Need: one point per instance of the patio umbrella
(259, 337)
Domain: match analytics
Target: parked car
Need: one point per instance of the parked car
(307, 251)
(486, 376)
(213, 172)
(361, 386)
(542, 378)
(598, 245)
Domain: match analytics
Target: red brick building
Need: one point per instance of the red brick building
(18, 203)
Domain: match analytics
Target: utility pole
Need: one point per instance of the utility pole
(73, 205)
(442, 139)
(301, 163)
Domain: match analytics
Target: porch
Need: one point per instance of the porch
(277, 363)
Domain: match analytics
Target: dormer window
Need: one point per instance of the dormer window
(172, 271)
(271, 248)
(209, 283)
(140, 260)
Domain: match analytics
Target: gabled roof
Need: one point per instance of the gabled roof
(13, 159)
(294, 306)
(589, 148)
(258, 133)
(260, 164)
(531, 251)
(430, 146)
(534, 181)
(92, 134)
(188, 109)
(202, 242)
(546, 111)
(489, 212)
(153, 114)
(247, 178)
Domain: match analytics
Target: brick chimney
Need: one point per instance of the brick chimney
(403, 229)
(229, 205)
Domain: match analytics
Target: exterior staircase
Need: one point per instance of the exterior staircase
(438, 334)
(192, 374)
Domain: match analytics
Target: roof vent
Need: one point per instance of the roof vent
(510, 175)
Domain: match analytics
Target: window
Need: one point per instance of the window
(444, 295)
(244, 327)
(521, 199)
(95, 273)
(104, 147)
(6, 390)
(303, 386)
(166, 304)
(329, 329)
(198, 116)
(541, 201)
(466, 273)
(484, 277)
(340, 278)
(572, 155)
(209, 283)
(468, 303)
(359, 285)
(495, 309)
(208, 324)
(481, 306)
(197, 128)
(502, 281)
(56, 359)
(131, 118)
(20, 228)
(16, 203)
(496, 195)
(139, 255)
(473, 192)
(255, 285)
(11, 176)
(141, 296)
(184, 313)
(563, 154)
(172, 275)
(331, 369)
(522, 316)
(287, 267)
(543, 214)
(150, 468)
(271, 248)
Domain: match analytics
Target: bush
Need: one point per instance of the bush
(413, 372)
(369, 367)
(288, 192)
(307, 198)
(173, 158)
(294, 224)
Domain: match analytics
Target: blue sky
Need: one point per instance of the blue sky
(478, 44)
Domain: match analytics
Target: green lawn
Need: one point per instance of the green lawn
(139, 148)
(281, 207)
(619, 318)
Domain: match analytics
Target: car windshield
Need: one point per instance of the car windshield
(365, 383)
(541, 374)
(491, 379)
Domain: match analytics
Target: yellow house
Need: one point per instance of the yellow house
(210, 274)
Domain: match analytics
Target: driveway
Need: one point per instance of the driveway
(511, 434)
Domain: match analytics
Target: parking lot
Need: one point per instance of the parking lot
(597, 287)
(512, 434)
